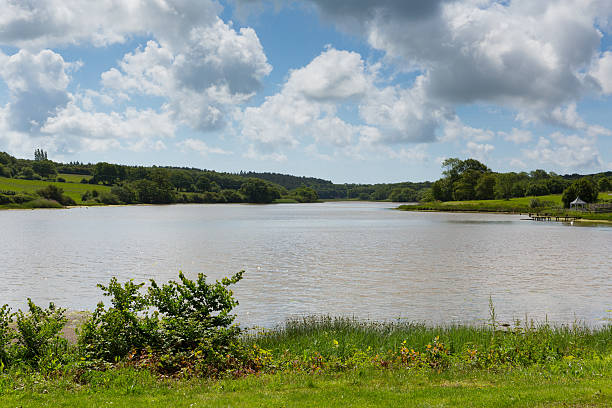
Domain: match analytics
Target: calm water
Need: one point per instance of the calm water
(358, 259)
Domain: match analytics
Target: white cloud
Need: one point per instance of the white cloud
(215, 69)
(37, 85)
(602, 72)
(479, 151)
(455, 129)
(199, 66)
(332, 76)
(144, 71)
(517, 136)
(402, 115)
(530, 56)
(36, 24)
(566, 152)
(517, 163)
(76, 130)
(41, 111)
(417, 153)
(308, 105)
(569, 117)
(253, 153)
(200, 147)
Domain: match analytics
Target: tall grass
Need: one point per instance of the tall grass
(341, 337)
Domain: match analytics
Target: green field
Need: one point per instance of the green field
(513, 205)
(73, 178)
(73, 190)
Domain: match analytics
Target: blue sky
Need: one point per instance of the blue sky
(347, 90)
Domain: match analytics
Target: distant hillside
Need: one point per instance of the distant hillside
(463, 180)
(288, 181)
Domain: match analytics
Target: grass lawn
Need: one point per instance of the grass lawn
(73, 190)
(357, 388)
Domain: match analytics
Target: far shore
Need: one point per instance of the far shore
(581, 220)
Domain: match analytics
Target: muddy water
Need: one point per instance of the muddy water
(356, 259)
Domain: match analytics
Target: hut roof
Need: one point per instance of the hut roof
(578, 201)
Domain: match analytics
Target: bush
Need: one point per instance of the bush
(7, 335)
(5, 171)
(22, 198)
(52, 192)
(110, 334)
(232, 196)
(124, 194)
(108, 198)
(38, 334)
(190, 318)
(41, 203)
(194, 312)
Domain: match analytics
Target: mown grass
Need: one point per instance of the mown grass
(588, 386)
(73, 190)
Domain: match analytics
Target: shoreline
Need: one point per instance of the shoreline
(465, 211)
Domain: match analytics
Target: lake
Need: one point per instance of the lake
(340, 258)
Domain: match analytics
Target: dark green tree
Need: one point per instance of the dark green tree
(45, 168)
(485, 188)
(40, 155)
(556, 184)
(105, 173)
(5, 171)
(181, 180)
(538, 174)
(537, 188)
(202, 184)
(259, 191)
(403, 195)
(465, 187)
(604, 184)
(585, 188)
(305, 195)
(503, 185)
(124, 193)
(441, 190)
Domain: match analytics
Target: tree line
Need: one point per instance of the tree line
(151, 185)
(470, 179)
(462, 180)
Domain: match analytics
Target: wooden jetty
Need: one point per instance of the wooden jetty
(549, 217)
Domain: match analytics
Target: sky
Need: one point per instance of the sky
(346, 90)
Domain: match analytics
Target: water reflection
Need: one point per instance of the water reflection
(358, 259)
